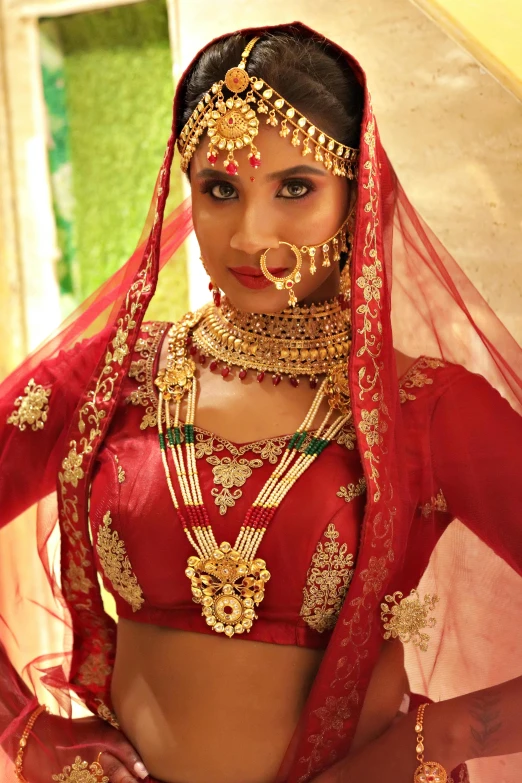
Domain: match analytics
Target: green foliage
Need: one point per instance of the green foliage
(118, 76)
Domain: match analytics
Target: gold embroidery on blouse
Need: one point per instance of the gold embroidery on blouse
(81, 772)
(121, 472)
(406, 617)
(327, 582)
(234, 471)
(352, 491)
(347, 436)
(142, 371)
(438, 503)
(32, 407)
(416, 378)
(116, 564)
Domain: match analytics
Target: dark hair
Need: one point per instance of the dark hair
(308, 73)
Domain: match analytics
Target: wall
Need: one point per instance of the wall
(492, 32)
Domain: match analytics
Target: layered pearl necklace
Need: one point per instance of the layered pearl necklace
(228, 581)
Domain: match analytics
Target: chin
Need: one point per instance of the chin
(267, 301)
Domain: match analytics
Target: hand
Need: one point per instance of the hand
(55, 743)
(392, 755)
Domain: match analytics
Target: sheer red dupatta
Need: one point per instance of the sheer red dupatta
(409, 294)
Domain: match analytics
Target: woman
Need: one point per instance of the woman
(183, 447)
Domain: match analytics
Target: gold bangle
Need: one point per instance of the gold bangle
(427, 771)
(19, 761)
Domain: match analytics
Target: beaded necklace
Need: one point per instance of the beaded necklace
(227, 581)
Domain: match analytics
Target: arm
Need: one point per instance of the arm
(477, 462)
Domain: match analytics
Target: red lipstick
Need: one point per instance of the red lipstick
(252, 277)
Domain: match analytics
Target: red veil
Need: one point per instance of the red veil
(408, 294)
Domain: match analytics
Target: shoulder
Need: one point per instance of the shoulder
(425, 377)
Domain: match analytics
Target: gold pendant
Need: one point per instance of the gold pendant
(228, 587)
(430, 772)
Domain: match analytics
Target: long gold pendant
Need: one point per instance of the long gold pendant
(228, 587)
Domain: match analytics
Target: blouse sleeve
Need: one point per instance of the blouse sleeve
(476, 441)
(34, 426)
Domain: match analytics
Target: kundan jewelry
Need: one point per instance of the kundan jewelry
(300, 341)
(227, 581)
(427, 771)
(290, 280)
(232, 123)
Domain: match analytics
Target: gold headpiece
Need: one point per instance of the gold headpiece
(231, 124)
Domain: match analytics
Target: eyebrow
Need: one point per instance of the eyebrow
(275, 175)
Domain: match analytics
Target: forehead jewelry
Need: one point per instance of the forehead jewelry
(232, 123)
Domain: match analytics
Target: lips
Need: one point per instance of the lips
(252, 277)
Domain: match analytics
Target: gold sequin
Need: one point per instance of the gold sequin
(107, 714)
(82, 772)
(116, 564)
(417, 377)
(32, 407)
(352, 491)
(405, 618)
(327, 582)
(437, 503)
(142, 371)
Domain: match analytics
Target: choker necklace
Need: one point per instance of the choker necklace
(310, 341)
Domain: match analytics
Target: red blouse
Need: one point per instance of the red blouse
(141, 548)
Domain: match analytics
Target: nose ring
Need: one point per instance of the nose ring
(290, 280)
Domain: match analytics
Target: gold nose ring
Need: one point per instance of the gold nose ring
(290, 280)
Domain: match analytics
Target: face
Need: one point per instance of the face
(236, 218)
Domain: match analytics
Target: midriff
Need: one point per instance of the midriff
(200, 708)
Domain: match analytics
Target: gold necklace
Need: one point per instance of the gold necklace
(227, 581)
(298, 341)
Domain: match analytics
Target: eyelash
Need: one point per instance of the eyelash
(209, 185)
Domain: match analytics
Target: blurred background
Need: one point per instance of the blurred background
(85, 104)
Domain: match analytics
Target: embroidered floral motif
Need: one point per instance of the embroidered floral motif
(32, 407)
(327, 582)
(72, 470)
(142, 371)
(82, 772)
(116, 564)
(438, 503)
(406, 617)
(352, 491)
(416, 377)
(347, 436)
(234, 471)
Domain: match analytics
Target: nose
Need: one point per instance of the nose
(253, 235)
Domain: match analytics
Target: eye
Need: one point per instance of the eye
(294, 189)
(222, 191)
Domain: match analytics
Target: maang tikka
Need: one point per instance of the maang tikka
(232, 123)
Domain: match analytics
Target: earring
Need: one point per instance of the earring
(216, 293)
(345, 283)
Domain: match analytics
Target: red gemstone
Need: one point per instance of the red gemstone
(212, 157)
(260, 376)
(225, 371)
(193, 350)
(242, 374)
(254, 161)
(217, 298)
(231, 167)
(313, 383)
(211, 286)
(231, 121)
(188, 341)
(294, 382)
(213, 365)
(276, 379)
